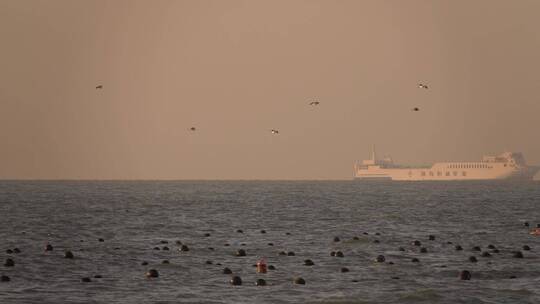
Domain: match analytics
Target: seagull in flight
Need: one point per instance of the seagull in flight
(192, 129)
(314, 103)
(422, 86)
(416, 109)
(275, 131)
(99, 87)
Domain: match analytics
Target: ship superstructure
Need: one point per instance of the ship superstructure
(508, 165)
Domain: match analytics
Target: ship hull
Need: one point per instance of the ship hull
(440, 174)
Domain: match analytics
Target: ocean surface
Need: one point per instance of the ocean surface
(300, 216)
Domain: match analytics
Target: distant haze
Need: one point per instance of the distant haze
(237, 69)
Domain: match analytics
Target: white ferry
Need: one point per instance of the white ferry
(508, 165)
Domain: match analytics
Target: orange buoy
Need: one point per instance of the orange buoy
(535, 231)
(261, 266)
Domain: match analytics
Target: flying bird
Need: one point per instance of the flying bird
(192, 129)
(422, 86)
(99, 87)
(314, 103)
(275, 131)
(416, 109)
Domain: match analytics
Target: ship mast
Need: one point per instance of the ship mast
(373, 153)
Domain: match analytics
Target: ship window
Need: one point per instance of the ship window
(464, 173)
(455, 173)
(430, 173)
(439, 173)
(447, 173)
(423, 173)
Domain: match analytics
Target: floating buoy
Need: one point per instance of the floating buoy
(152, 273)
(236, 280)
(465, 275)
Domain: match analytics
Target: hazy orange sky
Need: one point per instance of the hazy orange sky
(236, 69)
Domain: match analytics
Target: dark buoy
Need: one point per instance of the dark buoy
(239, 231)
(9, 251)
(211, 248)
(260, 282)
(380, 258)
(299, 281)
(287, 233)
(465, 275)
(495, 250)
(344, 269)
(365, 233)
(98, 276)
(423, 250)
(526, 224)
(449, 243)
(271, 267)
(339, 254)
(184, 248)
(458, 247)
(157, 248)
(308, 262)
(518, 255)
(282, 253)
(207, 234)
(491, 246)
(165, 262)
(356, 238)
(152, 273)
(527, 248)
(227, 270)
(48, 247)
(377, 233)
(512, 277)
(178, 242)
(209, 262)
(476, 248)
(473, 259)
(164, 242)
(376, 241)
(401, 249)
(431, 237)
(333, 253)
(263, 231)
(236, 280)
(291, 253)
(86, 280)
(144, 263)
(415, 260)
(417, 243)
(4, 278)
(270, 244)
(164, 248)
(101, 240)
(240, 253)
(486, 254)
(68, 255)
(9, 263)
(336, 239)
(390, 263)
